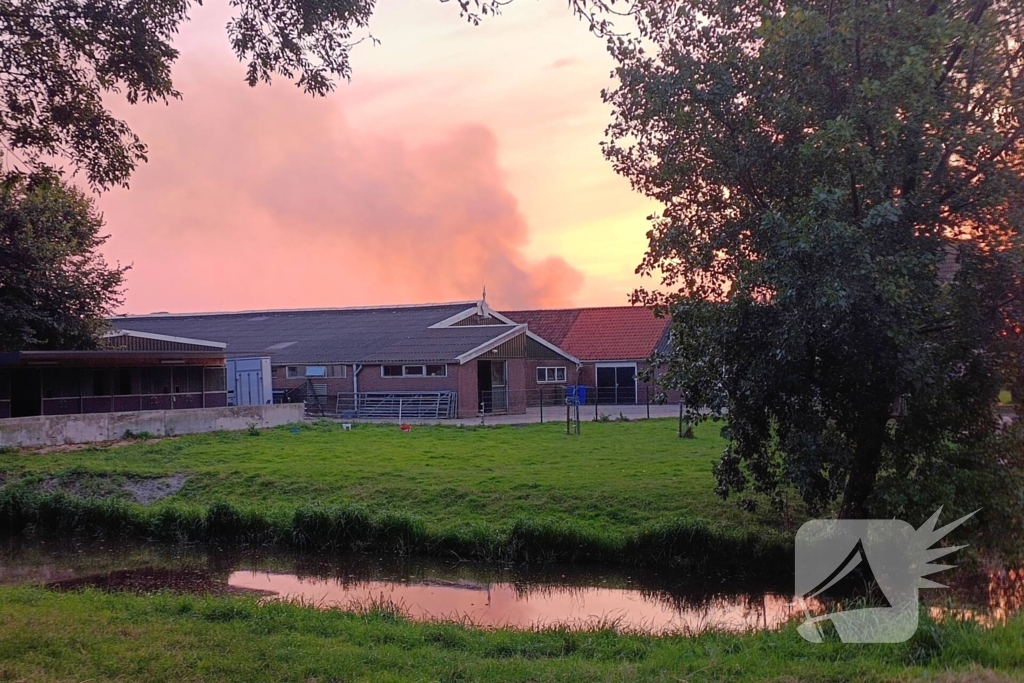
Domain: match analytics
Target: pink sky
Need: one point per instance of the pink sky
(458, 156)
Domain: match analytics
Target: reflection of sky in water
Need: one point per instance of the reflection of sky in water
(502, 604)
(659, 602)
(997, 599)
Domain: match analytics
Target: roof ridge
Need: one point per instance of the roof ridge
(292, 310)
(580, 308)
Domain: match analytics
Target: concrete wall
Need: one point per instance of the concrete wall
(52, 430)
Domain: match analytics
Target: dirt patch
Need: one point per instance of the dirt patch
(102, 445)
(152, 580)
(149, 491)
(101, 486)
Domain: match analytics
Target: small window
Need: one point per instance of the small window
(437, 371)
(124, 381)
(337, 371)
(413, 370)
(551, 374)
(101, 384)
(316, 371)
(215, 378)
(292, 371)
(391, 371)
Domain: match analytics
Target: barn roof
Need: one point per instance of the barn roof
(390, 334)
(593, 334)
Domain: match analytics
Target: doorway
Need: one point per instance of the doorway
(616, 383)
(492, 385)
(26, 393)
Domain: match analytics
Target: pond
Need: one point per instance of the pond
(480, 595)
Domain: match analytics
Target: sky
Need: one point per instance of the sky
(457, 157)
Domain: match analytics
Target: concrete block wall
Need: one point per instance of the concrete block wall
(54, 430)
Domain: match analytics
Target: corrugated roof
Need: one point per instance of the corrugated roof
(608, 333)
(354, 335)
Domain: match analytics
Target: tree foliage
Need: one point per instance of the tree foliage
(843, 191)
(61, 57)
(55, 290)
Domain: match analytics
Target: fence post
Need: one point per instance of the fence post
(597, 399)
(567, 432)
(542, 405)
(400, 410)
(647, 400)
(680, 418)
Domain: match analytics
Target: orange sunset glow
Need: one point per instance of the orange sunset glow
(457, 157)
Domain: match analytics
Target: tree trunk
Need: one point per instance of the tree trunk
(867, 459)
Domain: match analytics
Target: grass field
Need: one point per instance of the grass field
(455, 489)
(48, 636)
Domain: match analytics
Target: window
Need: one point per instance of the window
(155, 381)
(61, 383)
(316, 371)
(215, 378)
(125, 386)
(188, 380)
(291, 372)
(337, 371)
(551, 374)
(103, 382)
(414, 370)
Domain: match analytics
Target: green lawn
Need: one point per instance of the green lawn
(93, 636)
(613, 482)
(614, 477)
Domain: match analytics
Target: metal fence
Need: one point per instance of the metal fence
(543, 404)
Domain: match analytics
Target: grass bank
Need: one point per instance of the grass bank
(46, 636)
(620, 492)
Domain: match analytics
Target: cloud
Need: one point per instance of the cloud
(259, 198)
(563, 62)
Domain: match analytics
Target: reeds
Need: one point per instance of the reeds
(683, 545)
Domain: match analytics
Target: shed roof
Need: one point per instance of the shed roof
(389, 334)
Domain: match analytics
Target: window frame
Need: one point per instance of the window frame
(555, 369)
(423, 370)
(288, 374)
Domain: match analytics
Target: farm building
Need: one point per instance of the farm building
(432, 360)
(612, 344)
(128, 373)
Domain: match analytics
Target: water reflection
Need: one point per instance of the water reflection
(506, 604)
(991, 598)
(484, 595)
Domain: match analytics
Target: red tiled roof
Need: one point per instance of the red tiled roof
(611, 333)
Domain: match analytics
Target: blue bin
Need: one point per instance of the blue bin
(575, 393)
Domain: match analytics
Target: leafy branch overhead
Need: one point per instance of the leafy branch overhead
(61, 57)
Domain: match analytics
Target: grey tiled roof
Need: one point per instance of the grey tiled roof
(354, 335)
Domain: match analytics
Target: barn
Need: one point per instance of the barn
(429, 360)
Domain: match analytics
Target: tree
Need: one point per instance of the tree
(60, 57)
(840, 245)
(55, 291)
